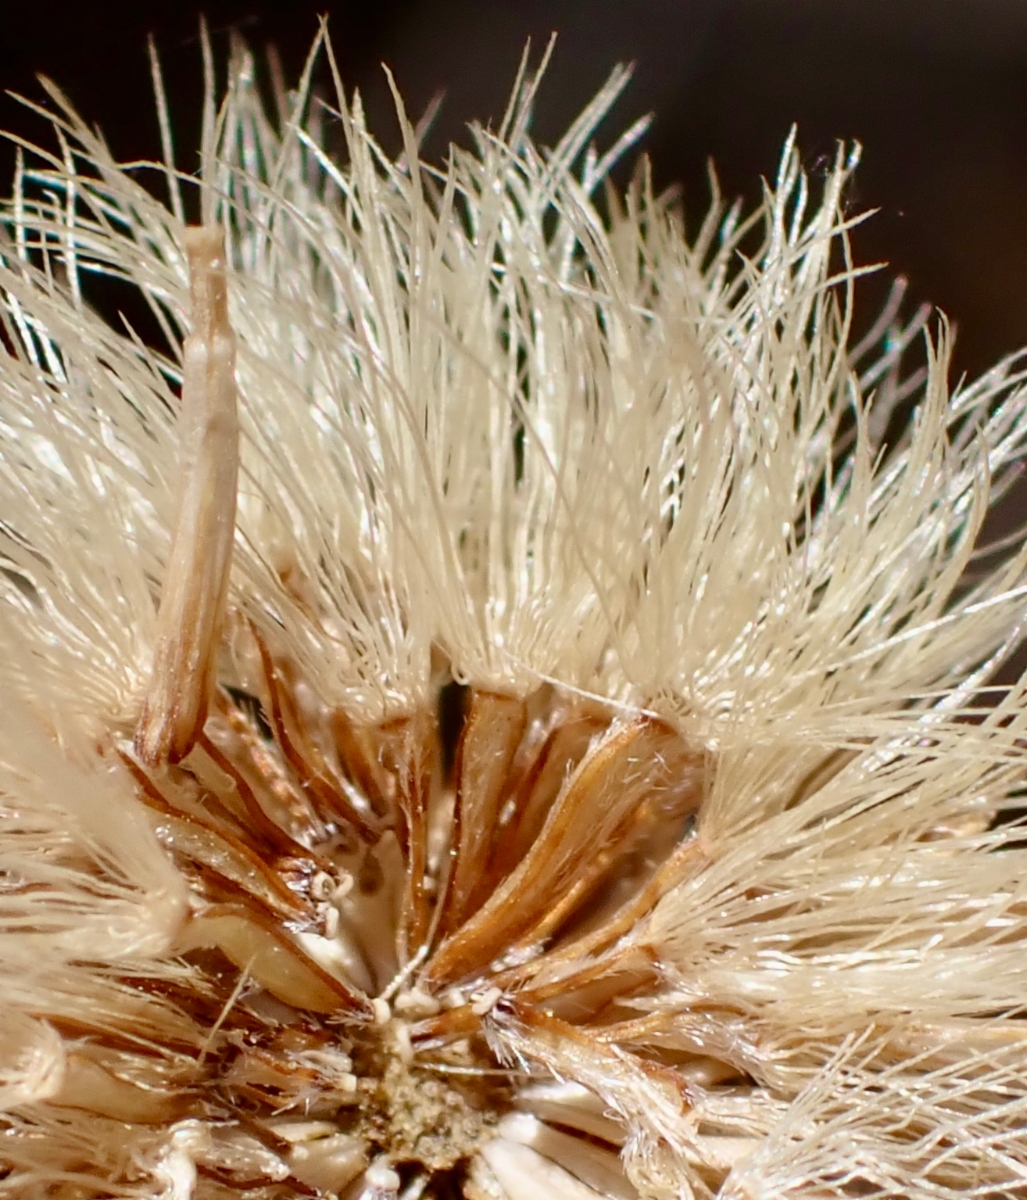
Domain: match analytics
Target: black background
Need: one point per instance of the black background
(936, 90)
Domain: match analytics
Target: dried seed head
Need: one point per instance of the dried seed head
(560, 769)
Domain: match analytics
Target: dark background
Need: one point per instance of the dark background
(936, 90)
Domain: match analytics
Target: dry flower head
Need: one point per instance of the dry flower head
(485, 714)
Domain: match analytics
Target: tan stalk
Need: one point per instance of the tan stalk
(196, 578)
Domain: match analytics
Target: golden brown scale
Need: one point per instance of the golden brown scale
(533, 910)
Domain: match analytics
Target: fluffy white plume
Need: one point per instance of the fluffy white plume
(711, 886)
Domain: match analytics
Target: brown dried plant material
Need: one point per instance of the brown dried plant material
(196, 578)
(546, 753)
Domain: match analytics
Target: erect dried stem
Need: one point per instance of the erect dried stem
(196, 579)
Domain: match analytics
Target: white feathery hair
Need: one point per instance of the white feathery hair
(499, 413)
